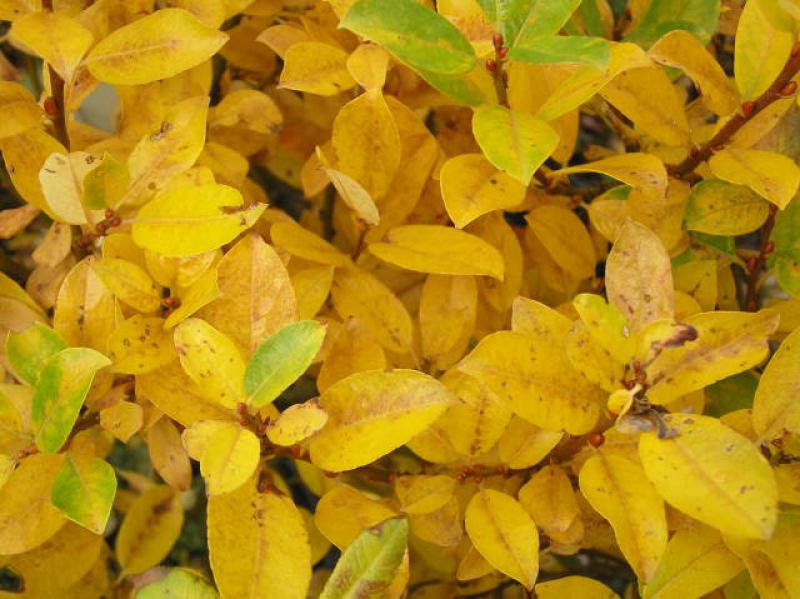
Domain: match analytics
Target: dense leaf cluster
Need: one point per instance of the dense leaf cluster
(400, 298)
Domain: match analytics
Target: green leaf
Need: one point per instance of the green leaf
(281, 359)
(105, 184)
(413, 33)
(534, 18)
(178, 583)
(733, 393)
(662, 16)
(513, 141)
(555, 49)
(84, 490)
(369, 564)
(57, 399)
(29, 350)
(785, 260)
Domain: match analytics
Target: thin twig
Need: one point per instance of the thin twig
(755, 267)
(782, 87)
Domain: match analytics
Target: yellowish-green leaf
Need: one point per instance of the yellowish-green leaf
(193, 220)
(150, 529)
(775, 407)
(618, 489)
(157, 46)
(369, 565)
(696, 562)
(84, 490)
(712, 474)
(258, 544)
(212, 361)
(59, 40)
(726, 343)
(316, 68)
(439, 250)
(763, 44)
(178, 582)
(515, 142)
(281, 360)
(472, 187)
(63, 384)
(720, 208)
(29, 350)
(771, 175)
(106, 184)
(504, 534)
(372, 413)
(639, 276)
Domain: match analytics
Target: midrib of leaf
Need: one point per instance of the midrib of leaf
(501, 533)
(449, 257)
(132, 53)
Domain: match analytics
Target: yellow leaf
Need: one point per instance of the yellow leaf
(639, 276)
(230, 457)
(247, 109)
(256, 297)
(24, 156)
(720, 208)
(59, 40)
(354, 350)
(366, 141)
(258, 544)
(297, 423)
(550, 499)
(123, 419)
(439, 250)
(86, 311)
(504, 534)
(311, 286)
(618, 489)
(359, 294)
(315, 68)
(472, 187)
(367, 65)
(132, 285)
(762, 47)
(172, 391)
(139, 345)
(698, 279)
(158, 46)
(193, 220)
(447, 310)
(574, 586)
(27, 518)
(493, 229)
(19, 108)
(168, 455)
(282, 37)
(775, 406)
(373, 413)
(304, 244)
(61, 178)
(641, 171)
(202, 292)
(150, 529)
(648, 97)
(565, 238)
(606, 325)
(712, 474)
(354, 195)
(537, 380)
(695, 563)
(424, 494)
(771, 175)
(343, 512)
(212, 361)
(726, 343)
(171, 149)
(682, 50)
(773, 564)
(524, 445)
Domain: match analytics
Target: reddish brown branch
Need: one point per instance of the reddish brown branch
(55, 108)
(756, 266)
(782, 87)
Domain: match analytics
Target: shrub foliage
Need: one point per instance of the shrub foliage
(400, 298)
